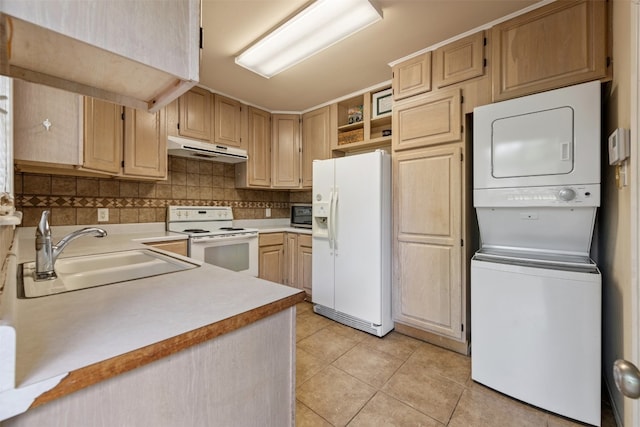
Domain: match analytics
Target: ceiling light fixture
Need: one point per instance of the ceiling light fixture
(322, 24)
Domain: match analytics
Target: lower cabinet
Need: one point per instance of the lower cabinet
(176, 246)
(271, 257)
(286, 258)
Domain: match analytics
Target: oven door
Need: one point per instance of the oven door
(236, 253)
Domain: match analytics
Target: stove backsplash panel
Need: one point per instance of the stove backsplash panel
(75, 200)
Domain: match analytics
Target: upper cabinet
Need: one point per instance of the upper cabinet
(412, 77)
(227, 121)
(256, 171)
(459, 61)
(145, 143)
(136, 54)
(318, 129)
(195, 114)
(285, 149)
(557, 45)
(61, 132)
(103, 133)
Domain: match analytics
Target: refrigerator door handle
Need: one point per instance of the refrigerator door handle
(334, 219)
(330, 221)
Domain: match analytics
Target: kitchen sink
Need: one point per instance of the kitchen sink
(89, 271)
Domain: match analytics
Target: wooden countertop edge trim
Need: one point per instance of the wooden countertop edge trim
(92, 374)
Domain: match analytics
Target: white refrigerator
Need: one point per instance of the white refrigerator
(351, 233)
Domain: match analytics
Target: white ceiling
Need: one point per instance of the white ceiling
(355, 64)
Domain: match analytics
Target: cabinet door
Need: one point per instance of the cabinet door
(258, 167)
(427, 240)
(316, 141)
(271, 257)
(557, 45)
(285, 150)
(291, 260)
(304, 263)
(145, 144)
(427, 120)
(195, 114)
(227, 121)
(412, 76)
(459, 61)
(103, 132)
(36, 107)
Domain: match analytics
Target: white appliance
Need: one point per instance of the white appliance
(200, 150)
(351, 234)
(213, 238)
(535, 293)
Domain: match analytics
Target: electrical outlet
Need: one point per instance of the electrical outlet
(103, 214)
(267, 212)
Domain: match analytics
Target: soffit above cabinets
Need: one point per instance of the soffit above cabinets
(131, 53)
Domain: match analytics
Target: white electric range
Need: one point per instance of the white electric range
(213, 238)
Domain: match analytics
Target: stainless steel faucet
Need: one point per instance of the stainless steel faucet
(47, 253)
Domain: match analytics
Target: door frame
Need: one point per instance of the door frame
(632, 165)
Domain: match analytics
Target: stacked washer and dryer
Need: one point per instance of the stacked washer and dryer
(535, 292)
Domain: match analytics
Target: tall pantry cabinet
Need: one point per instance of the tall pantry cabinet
(433, 214)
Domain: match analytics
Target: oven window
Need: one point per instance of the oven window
(233, 257)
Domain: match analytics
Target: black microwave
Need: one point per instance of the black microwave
(301, 215)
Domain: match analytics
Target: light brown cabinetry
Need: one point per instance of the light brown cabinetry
(227, 121)
(460, 60)
(176, 246)
(145, 143)
(256, 172)
(317, 132)
(94, 137)
(291, 260)
(103, 135)
(427, 119)
(557, 45)
(412, 77)
(195, 108)
(286, 150)
(271, 257)
(428, 238)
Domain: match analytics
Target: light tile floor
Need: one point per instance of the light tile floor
(347, 377)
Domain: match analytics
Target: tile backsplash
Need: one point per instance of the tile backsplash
(75, 200)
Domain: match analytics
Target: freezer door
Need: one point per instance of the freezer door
(361, 225)
(536, 336)
(322, 256)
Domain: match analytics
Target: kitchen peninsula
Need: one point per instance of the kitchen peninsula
(204, 346)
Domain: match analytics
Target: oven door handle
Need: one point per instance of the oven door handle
(199, 240)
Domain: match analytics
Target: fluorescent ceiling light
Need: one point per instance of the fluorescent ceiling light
(317, 27)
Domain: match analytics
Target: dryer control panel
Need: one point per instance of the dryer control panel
(565, 196)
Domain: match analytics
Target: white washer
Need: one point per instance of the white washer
(536, 335)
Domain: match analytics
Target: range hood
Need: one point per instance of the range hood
(184, 147)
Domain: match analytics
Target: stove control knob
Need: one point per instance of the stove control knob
(567, 194)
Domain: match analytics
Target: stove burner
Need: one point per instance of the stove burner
(195, 230)
(231, 228)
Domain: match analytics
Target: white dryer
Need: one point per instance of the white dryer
(535, 293)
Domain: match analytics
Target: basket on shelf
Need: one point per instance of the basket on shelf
(350, 136)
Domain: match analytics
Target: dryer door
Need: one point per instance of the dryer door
(533, 144)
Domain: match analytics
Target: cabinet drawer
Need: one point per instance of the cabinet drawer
(176, 246)
(269, 239)
(304, 240)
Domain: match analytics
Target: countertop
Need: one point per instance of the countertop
(100, 332)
